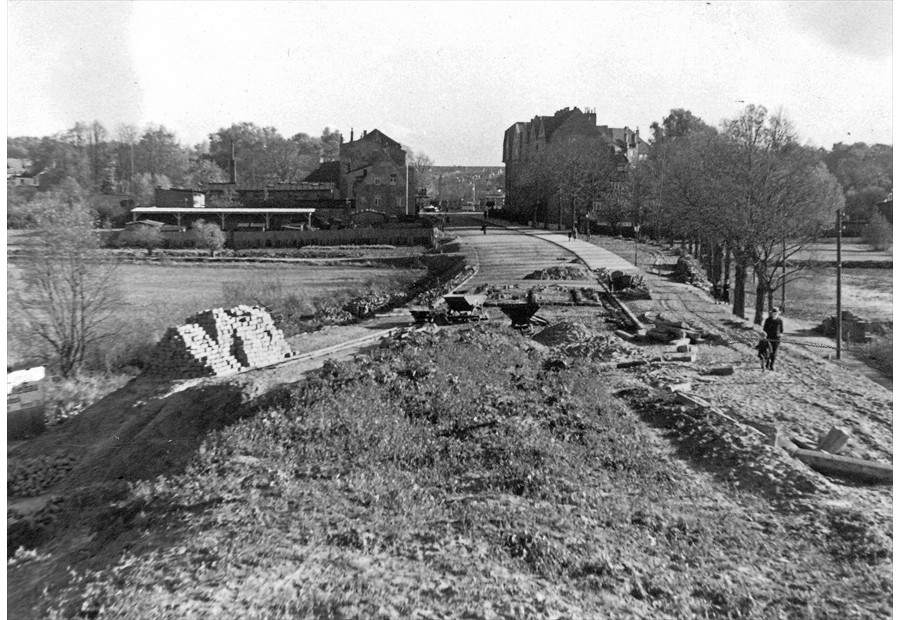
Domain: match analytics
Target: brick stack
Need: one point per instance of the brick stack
(219, 342)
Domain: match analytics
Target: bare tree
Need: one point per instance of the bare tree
(69, 293)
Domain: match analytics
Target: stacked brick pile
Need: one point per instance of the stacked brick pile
(219, 342)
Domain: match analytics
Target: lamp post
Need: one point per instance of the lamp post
(406, 201)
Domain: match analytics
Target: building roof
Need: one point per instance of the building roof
(144, 223)
(327, 172)
(273, 187)
(201, 210)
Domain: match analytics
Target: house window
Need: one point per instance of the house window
(377, 181)
(393, 179)
(377, 201)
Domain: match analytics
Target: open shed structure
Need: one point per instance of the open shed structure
(229, 218)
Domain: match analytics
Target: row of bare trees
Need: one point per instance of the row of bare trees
(747, 196)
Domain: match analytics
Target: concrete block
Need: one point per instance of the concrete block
(721, 371)
(833, 441)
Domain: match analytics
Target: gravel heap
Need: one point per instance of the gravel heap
(562, 272)
(564, 333)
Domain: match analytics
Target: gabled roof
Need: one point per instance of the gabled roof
(327, 172)
(376, 134)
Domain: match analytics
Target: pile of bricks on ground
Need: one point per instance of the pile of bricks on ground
(219, 342)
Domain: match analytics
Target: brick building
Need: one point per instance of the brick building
(524, 143)
(373, 174)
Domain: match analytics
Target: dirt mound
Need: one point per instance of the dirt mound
(567, 332)
(562, 272)
(601, 348)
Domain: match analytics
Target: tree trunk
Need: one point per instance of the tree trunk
(762, 286)
(740, 281)
(726, 269)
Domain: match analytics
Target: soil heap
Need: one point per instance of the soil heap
(562, 272)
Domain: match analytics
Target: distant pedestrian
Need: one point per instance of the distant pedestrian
(484, 228)
(725, 293)
(717, 292)
(575, 234)
(570, 234)
(774, 327)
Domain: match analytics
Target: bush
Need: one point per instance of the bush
(878, 233)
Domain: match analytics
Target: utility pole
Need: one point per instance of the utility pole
(407, 189)
(783, 272)
(838, 318)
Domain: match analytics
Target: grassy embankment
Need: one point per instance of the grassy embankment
(159, 295)
(460, 474)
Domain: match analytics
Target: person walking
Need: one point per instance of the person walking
(774, 327)
(570, 234)
(484, 228)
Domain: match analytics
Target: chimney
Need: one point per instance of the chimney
(233, 165)
(351, 134)
(365, 131)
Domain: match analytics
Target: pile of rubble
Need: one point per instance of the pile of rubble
(670, 328)
(219, 342)
(687, 270)
(562, 272)
(577, 340)
(854, 328)
(31, 477)
(567, 332)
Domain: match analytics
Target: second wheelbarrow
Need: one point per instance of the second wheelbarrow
(520, 314)
(462, 308)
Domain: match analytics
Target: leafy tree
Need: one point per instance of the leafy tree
(159, 154)
(68, 294)
(263, 155)
(145, 185)
(208, 236)
(331, 144)
(146, 237)
(879, 233)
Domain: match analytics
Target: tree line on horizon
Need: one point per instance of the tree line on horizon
(746, 196)
(131, 162)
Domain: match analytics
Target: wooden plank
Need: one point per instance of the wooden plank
(847, 466)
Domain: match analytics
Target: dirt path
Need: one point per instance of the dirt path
(805, 396)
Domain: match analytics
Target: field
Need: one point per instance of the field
(159, 296)
(868, 293)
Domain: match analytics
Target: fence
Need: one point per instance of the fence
(349, 236)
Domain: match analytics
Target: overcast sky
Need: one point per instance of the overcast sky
(446, 78)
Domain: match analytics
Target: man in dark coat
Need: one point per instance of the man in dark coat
(774, 327)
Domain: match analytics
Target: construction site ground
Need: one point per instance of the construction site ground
(152, 428)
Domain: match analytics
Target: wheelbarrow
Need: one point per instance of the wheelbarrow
(421, 316)
(520, 314)
(462, 308)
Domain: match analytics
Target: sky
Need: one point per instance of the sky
(446, 78)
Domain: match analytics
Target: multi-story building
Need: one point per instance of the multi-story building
(18, 173)
(524, 144)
